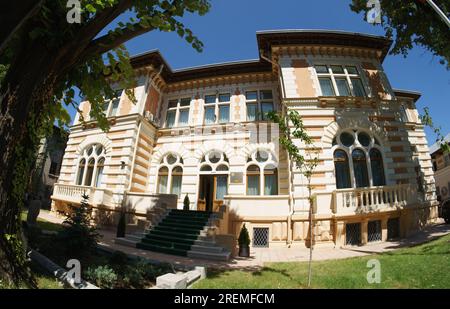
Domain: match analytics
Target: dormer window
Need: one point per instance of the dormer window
(338, 80)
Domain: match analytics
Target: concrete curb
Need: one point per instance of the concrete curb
(180, 280)
(57, 271)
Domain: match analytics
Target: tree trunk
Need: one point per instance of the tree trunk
(24, 94)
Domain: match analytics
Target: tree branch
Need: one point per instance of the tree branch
(106, 42)
(13, 17)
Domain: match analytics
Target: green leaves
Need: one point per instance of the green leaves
(440, 138)
(412, 23)
(291, 125)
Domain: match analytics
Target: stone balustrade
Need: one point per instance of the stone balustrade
(73, 194)
(364, 200)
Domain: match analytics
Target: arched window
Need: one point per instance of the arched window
(81, 168)
(360, 168)
(262, 174)
(163, 179)
(99, 174)
(91, 174)
(358, 161)
(177, 174)
(376, 163)
(342, 169)
(253, 180)
(170, 175)
(270, 180)
(214, 161)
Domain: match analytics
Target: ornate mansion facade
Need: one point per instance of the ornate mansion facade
(203, 132)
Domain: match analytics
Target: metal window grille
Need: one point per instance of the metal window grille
(353, 234)
(374, 231)
(393, 226)
(261, 237)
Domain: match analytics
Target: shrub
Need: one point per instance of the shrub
(186, 203)
(77, 236)
(244, 238)
(102, 276)
(118, 258)
(132, 277)
(150, 271)
(121, 226)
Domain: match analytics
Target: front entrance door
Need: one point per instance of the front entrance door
(212, 189)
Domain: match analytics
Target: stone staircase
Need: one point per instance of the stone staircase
(182, 233)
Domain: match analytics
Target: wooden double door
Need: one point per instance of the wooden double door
(212, 189)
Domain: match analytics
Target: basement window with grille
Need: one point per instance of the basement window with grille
(374, 231)
(393, 226)
(353, 234)
(261, 237)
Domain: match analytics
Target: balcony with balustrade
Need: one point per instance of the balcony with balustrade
(373, 199)
(73, 194)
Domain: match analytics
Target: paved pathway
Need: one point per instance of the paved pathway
(259, 256)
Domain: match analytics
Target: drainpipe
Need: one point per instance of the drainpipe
(290, 168)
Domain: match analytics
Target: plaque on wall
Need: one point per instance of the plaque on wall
(236, 177)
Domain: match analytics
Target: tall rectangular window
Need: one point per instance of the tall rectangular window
(259, 104)
(217, 108)
(338, 80)
(178, 113)
(326, 86)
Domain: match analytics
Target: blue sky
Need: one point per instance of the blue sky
(228, 32)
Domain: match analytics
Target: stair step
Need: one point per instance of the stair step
(177, 229)
(222, 256)
(133, 237)
(176, 218)
(166, 244)
(125, 242)
(206, 248)
(182, 224)
(169, 238)
(191, 212)
(160, 249)
(174, 234)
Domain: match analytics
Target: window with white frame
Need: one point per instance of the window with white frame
(217, 108)
(262, 174)
(90, 166)
(358, 161)
(111, 107)
(259, 103)
(339, 80)
(170, 175)
(216, 163)
(178, 113)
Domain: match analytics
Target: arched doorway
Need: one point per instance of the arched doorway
(213, 181)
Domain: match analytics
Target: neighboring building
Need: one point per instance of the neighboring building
(48, 164)
(441, 168)
(203, 131)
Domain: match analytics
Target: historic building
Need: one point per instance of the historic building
(441, 168)
(203, 132)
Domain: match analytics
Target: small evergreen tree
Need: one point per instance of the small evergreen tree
(244, 238)
(78, 237)
(121, 226)
(186, 203)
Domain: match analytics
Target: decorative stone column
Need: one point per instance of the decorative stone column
(384, 229)
(364, 232)
(339, 232)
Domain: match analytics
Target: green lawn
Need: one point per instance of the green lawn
(423, 266)
(43, 224)
(45, 280)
